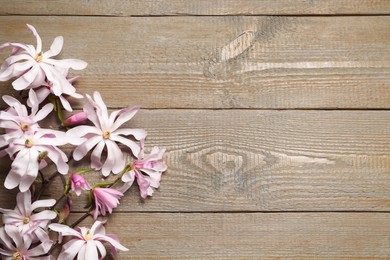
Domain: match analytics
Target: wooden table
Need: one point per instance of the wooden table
(274, 114)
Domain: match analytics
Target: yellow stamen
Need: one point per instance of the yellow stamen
(28, 143)
(106, 134)
(39, 57)
(88, 236)
(24, 127)
(17, 256)
(26, 220)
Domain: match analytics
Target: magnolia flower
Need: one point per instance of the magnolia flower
(78, 183)
(31, 66)
(24, 218)
(147, 170)
(76, 119)
(87, 243)
(31, 151)
(105, 134)
(47, 89)
(16, 119)
(17, 246)
(106, 199)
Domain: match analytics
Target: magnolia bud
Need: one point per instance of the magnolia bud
(75, 119)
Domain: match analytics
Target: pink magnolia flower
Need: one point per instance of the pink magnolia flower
(31, 66)
(31, 151)
(76, 119)
(147, 170)
(106, 199)
(16, 119)
(47, 89)
(78, 183)
(24, 218)
(20, 247)
(105, 134)
(87, 243)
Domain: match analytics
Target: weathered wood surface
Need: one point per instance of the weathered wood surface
(224, 62)
(234, 160)
(191, 7)
(253, 235)
(261, 180)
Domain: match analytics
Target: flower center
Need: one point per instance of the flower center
(24, 127)
(17, 256)
(88, 236)
(26, 220)
(28, 143)
(39, 57)
(106, 134)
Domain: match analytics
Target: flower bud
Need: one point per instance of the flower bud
(78, 183)
(76, 119)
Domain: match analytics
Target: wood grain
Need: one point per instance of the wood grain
(235, 160)
(191, 7)
(253, 235)
(224, 62)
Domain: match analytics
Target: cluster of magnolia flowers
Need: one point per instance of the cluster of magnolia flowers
(31, 147)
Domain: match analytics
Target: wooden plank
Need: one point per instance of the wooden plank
(235, 160)
(224, 62)
(253, 236)
(191, 7)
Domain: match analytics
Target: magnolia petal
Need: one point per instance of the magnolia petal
(117, 155)
(124, 116)
(96, 155)
(65, 230)
(134, 147)
(81, 131)
(65, 103)
(40, 249)
(44, 215)
(98, 228)
(139, 134)
(33, 100)
(91, 250)
(12, 180)
(112, 241)
(44, 112)
(42, 93)
(129, 177)
(71, 248)
(143, 184)
(68, 63)
(43, 204)
(39, 40)
(13, 102)
(5, 241)
(101, 111)
(28, 178)
(101, 248)
(59, 159)
(81, 254)
(55, 47)
(25, 81)
(23, 200)
(85, 147)
(20, 242)
(19, 57)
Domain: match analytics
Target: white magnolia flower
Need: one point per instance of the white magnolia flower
(87, 243)
(31, 151)
(105, 134)
(31, 66)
